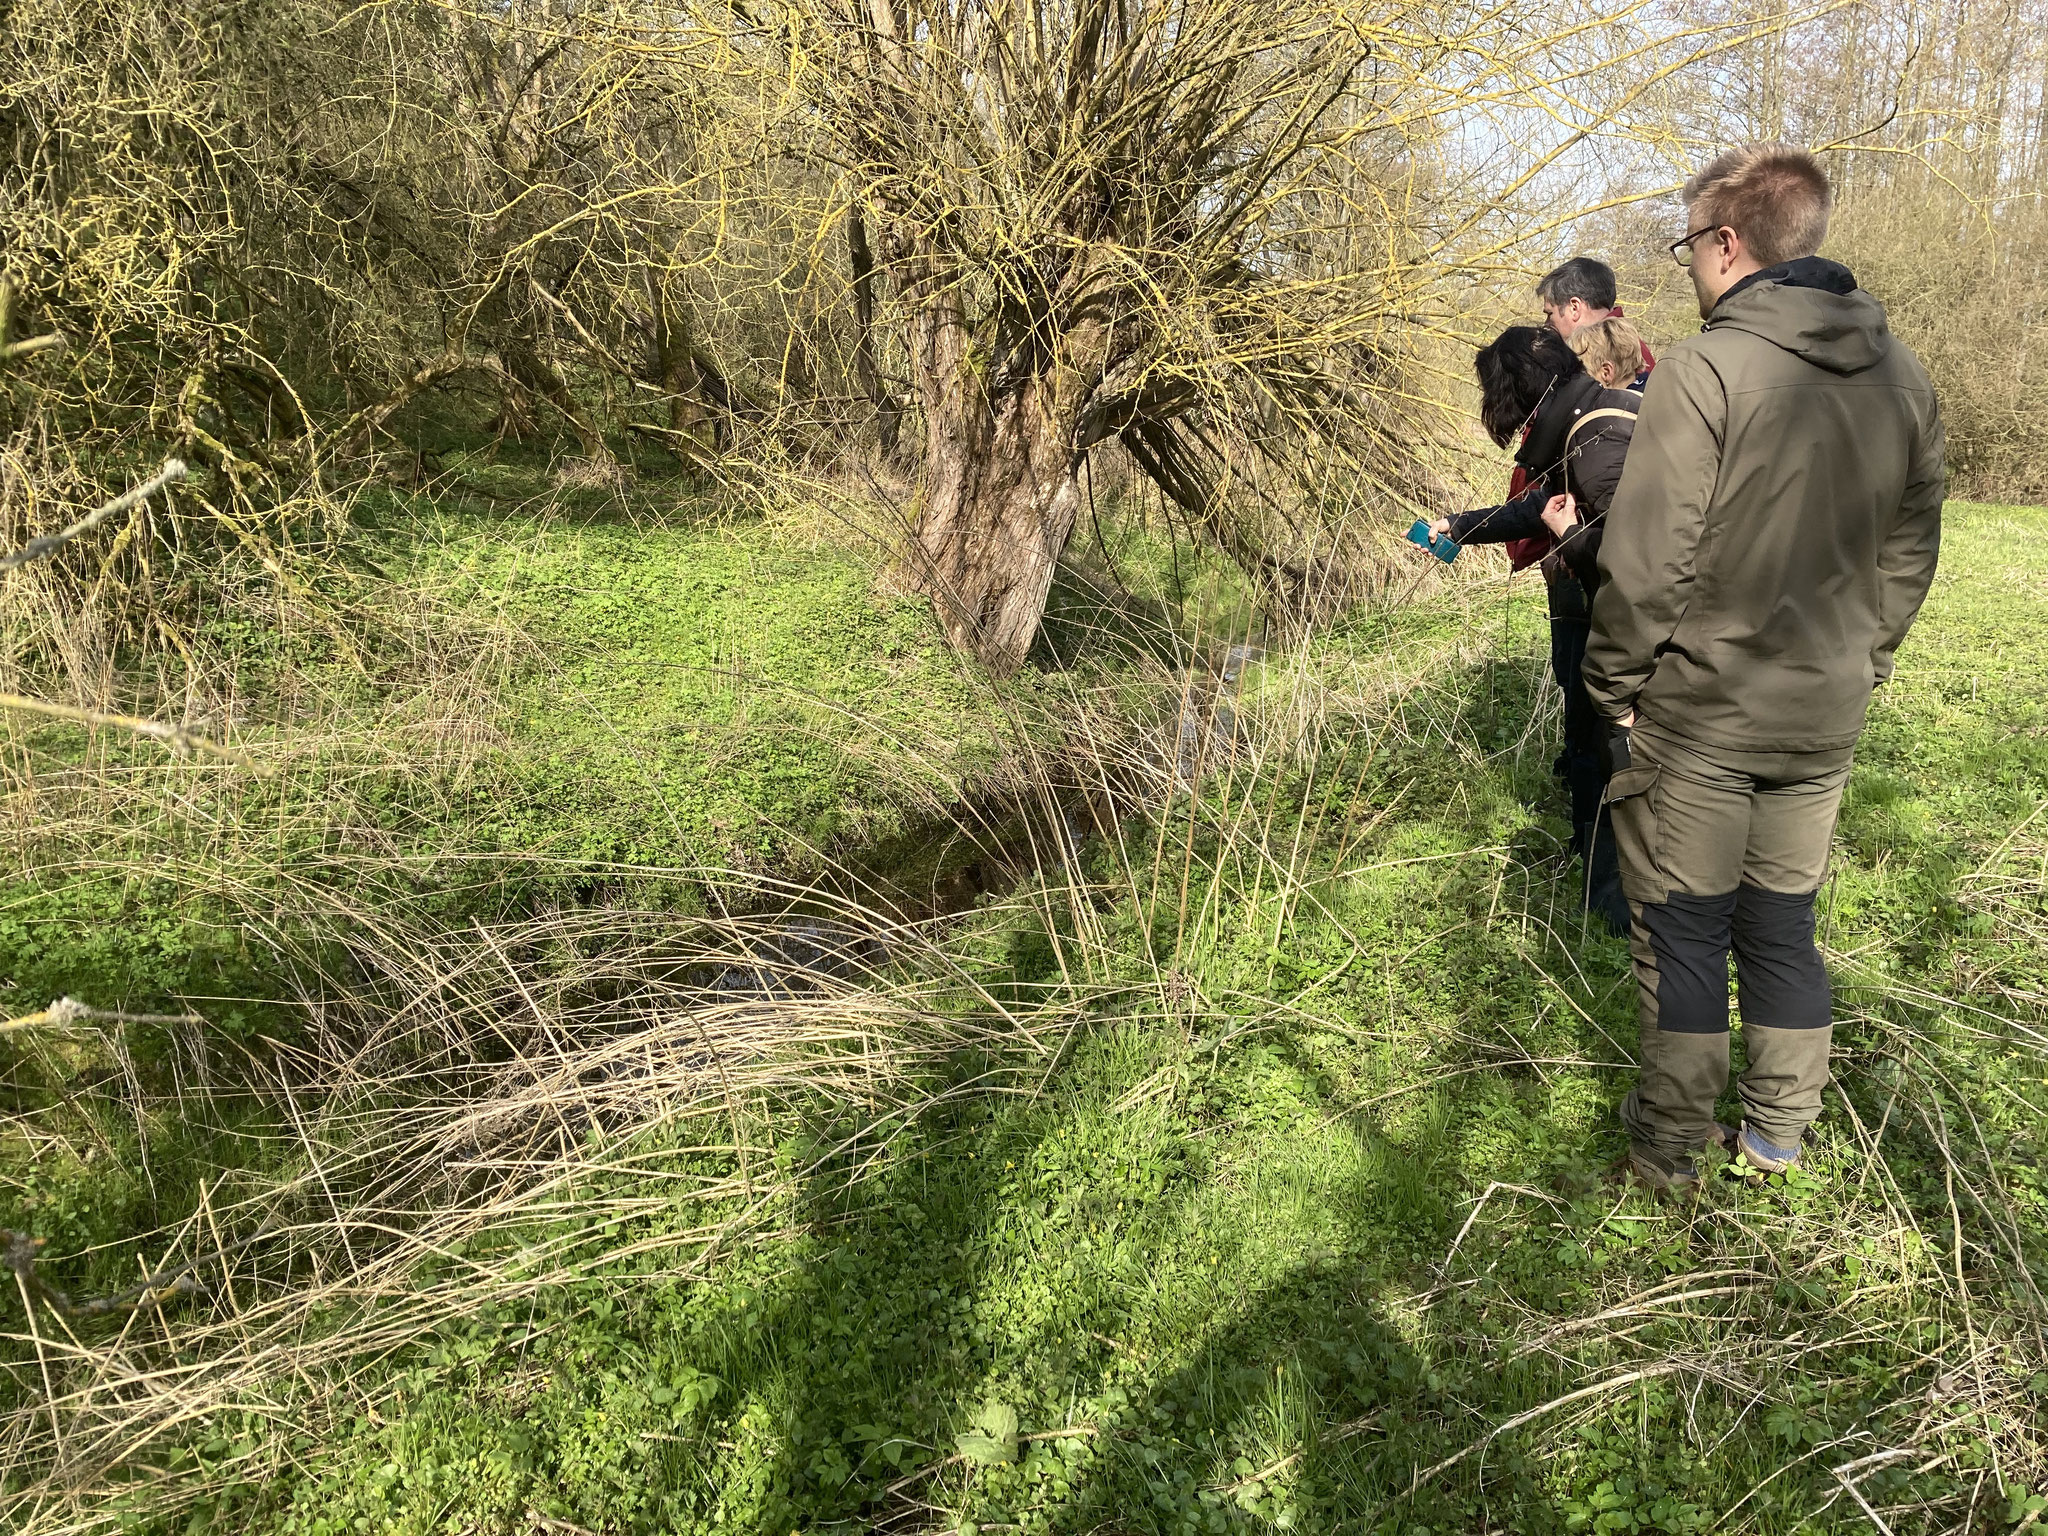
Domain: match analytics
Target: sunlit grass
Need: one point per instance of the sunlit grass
(1249, 1150)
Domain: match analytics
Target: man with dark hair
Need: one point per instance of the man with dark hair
(1774, 533)
(1576, 293)
(1581, 292)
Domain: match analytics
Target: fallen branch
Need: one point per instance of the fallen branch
(18, 1251)
(180, 739)
(69, 1010)
(365, 422)
(28, 346)
(683, 444)
(35, 549)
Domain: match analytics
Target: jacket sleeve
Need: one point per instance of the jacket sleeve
(1653, 529)
(1581, 550)
(1905, 563)
(1521, 518)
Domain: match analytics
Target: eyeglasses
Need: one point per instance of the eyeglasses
(1681, 250)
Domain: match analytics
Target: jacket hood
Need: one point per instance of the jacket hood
(1554, 417)
(1810, 307)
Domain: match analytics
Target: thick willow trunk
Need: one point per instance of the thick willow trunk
(1001, 498)
(1001, 494)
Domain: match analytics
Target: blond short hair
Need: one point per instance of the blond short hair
(1775, 196)
(1609, 341)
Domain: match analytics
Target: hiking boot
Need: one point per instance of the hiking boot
(1665, 1175)
(1762, 1155)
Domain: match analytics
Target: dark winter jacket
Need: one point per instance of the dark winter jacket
(1590, 468)
(1598, 454)
(1778, 524)
(1523, 553)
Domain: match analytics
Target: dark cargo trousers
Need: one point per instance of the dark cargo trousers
(1725, 850)
(1578, 765)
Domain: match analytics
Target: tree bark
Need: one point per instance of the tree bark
(674, 366)
(537, 376)
(1000, 503)
(1001, 493)
(862, 260)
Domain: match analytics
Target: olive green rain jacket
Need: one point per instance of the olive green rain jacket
(1777, 524)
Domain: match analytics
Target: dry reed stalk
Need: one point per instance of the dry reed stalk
(507, 1172)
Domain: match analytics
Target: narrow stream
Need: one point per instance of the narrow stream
(937, 872)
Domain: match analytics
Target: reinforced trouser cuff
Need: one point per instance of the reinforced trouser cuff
(1672, 1107)
(1781, 1087)
(1725, 850)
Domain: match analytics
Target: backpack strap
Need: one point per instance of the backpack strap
(1606, 411)
(1564, 459)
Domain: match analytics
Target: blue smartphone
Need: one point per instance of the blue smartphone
(1444, 547)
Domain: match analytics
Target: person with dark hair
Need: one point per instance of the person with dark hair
(1575, 293)
(1516, 372)
(1580, 292)
(1574, 435)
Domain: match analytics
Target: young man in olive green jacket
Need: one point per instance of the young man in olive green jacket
(1772, 538)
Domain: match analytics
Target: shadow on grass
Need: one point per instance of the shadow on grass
(1189, 1343)
(1074, 1275)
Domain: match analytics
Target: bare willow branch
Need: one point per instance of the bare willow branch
(69, 1010)
(172, 471)
(179, 738)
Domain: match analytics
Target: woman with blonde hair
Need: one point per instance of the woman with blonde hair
(1611, 350)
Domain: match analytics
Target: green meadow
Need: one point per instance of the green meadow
(1194, 1111)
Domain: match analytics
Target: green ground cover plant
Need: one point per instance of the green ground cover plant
(1241, 1167)
(534, 696)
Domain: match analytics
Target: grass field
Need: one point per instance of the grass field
(1249, 1171)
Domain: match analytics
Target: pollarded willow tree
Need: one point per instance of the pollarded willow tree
(1211, 230)
(1101, 219)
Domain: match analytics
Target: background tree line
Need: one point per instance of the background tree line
(949, 259)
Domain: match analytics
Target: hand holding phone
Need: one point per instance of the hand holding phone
(1442, 545)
